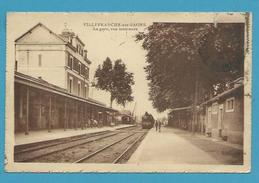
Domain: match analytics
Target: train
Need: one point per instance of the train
(147, 121)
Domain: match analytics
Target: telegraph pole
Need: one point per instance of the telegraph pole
(196, 87)
(195, 103)
(196, 94)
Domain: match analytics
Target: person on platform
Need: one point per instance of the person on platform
(156, 124)
(159, 126)
(95, 123)
(92, 122)
(89, 123)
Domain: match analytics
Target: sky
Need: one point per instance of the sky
(116, 44)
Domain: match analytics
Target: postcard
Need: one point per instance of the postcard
(128, 92)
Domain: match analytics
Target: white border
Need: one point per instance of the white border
(10, 166)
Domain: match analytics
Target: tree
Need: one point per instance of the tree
(183, 57)
(115, 80)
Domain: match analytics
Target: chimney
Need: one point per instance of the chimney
(67, 33)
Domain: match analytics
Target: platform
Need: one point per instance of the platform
(174, 146)
(44, 135)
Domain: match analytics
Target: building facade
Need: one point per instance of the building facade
(58, 59)
(40, 105)
(180, 118)
(52, 83)
(225, 115)
(220, 117)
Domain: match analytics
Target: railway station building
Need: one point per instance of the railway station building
(225, 114)
(220, 117)
(59, 59)
(51, 83)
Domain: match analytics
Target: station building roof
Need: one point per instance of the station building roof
(46, 86)
(237, 87)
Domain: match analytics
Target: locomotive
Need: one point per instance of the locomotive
(147, 121)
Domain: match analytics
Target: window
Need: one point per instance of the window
(80, 51)
(82, 70)
(21, 108)
(70, 87)
(16, 65)
(28, 58)
(79, 68)
(86, 73)
(39, 60)
(230, 104)
(85, 54)
(70, 62)
(209, 117)
(215, 108)
(75, 65)
(86, 91)
(78, 88)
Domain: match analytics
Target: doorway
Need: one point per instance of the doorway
(220, 120)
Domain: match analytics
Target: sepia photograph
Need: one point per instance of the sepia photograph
(128, 92)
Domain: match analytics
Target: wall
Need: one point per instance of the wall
(71, 73)
(77, 56)
(214, 119)
(234, 121)
(52, 62)
(232, 126)
(84, 93)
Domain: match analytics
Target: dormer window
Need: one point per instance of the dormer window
(80, 51)
(85, 54)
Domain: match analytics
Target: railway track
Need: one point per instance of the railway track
(115, 151)
(33, 152)
(45, 144)
(127, 150)
(41, 145)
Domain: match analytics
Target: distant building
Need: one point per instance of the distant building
(180, 118)
(58, 59)
(124, 117)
